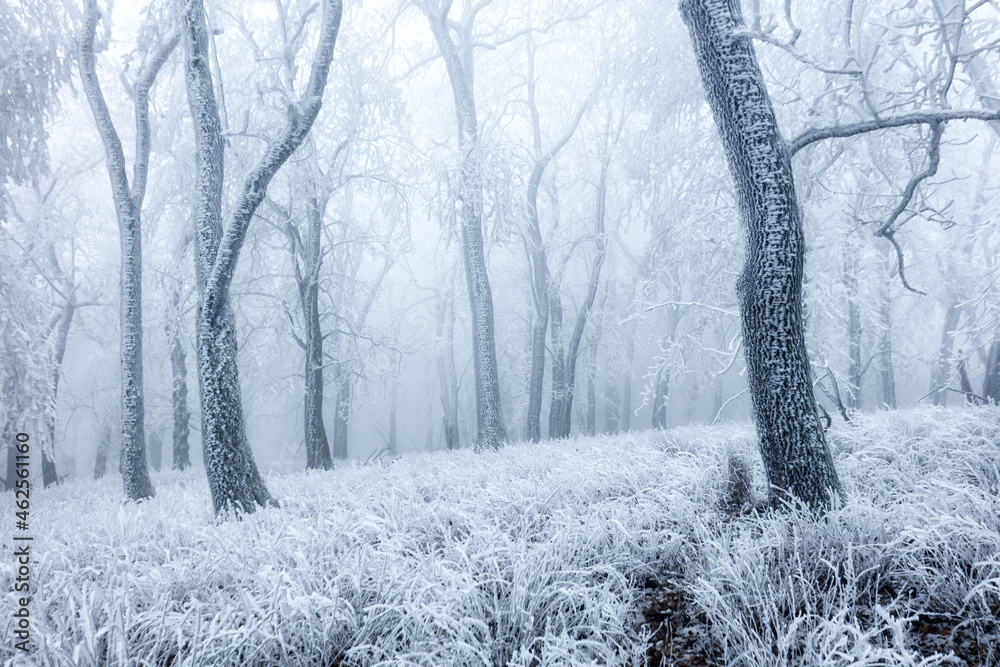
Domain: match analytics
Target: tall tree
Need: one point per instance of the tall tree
(128, 199)
(233, 477)
(792, 443)
(455, 41)
(796, 457)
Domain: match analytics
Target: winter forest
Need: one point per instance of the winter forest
(499, 332)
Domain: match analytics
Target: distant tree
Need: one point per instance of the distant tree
(233, 477)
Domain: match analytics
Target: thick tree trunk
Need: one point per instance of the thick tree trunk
(796, 457)
(941, 373)
(233, 477)
(178, 371)
(491, 432)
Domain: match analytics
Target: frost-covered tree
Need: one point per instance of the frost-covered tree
(128, 199)
(35, 57)
(456, 44)
(796, 457)
(233, 477)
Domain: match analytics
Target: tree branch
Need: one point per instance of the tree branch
(919, 118)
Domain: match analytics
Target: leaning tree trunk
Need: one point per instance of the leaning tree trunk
(233, 477)
(794, 449)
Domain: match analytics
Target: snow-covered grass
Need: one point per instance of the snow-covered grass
(533, 555)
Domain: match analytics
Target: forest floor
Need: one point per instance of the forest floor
(628, 549)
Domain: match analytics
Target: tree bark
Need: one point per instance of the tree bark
(791, 439)
(233, 477)
(491, 432)
(128, 206)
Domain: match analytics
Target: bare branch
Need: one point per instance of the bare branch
(919, 118)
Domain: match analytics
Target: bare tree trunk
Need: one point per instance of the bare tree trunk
(612, 407)
(103, 447)
(564, 377)
(941, 373)
(342, 413)
(991, 381)
(491, 432)
(178, 371)
(627, 388)
(885, 368)
(792, 443)
(854, 364)
(447, 381)
(393, 407)
(307, 279)
(155, 450)
(661, 387)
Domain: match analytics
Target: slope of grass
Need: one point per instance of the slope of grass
(535, 555)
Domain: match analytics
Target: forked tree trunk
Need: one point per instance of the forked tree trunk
(233, 477)
(128, 200)
(564, 362)
(796, 457)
